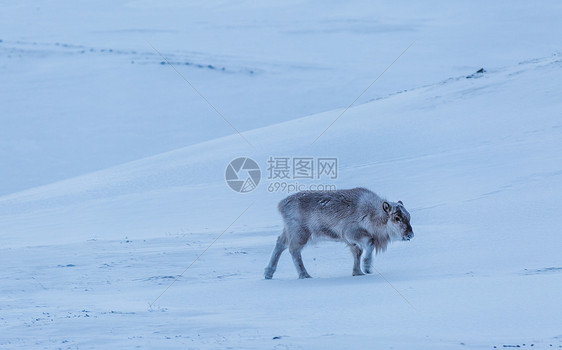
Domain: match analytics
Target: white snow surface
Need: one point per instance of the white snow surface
(128, 256)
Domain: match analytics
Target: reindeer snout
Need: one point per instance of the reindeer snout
(409, 235)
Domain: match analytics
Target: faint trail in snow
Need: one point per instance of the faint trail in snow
(24, 49)
(543, 270)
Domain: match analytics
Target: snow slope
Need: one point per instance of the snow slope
(477, 161)
(81, 89)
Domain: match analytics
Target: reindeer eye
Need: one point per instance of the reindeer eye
(397, 219)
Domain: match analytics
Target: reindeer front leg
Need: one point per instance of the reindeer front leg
(368, 257)
(356, 251)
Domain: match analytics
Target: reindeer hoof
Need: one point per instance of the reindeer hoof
(268, 274)
(358, 273)
(304, 275)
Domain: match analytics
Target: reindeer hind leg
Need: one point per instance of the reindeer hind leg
(280, 247)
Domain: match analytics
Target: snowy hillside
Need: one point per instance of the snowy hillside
(82, 90)
(477, 162)
(156, 251)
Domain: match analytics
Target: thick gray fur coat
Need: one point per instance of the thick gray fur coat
(357, 217)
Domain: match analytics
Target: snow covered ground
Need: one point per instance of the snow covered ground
(89, 261)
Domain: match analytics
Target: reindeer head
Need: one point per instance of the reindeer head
(398, 223)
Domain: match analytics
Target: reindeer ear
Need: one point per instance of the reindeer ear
(400, 202)
(386, 207)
